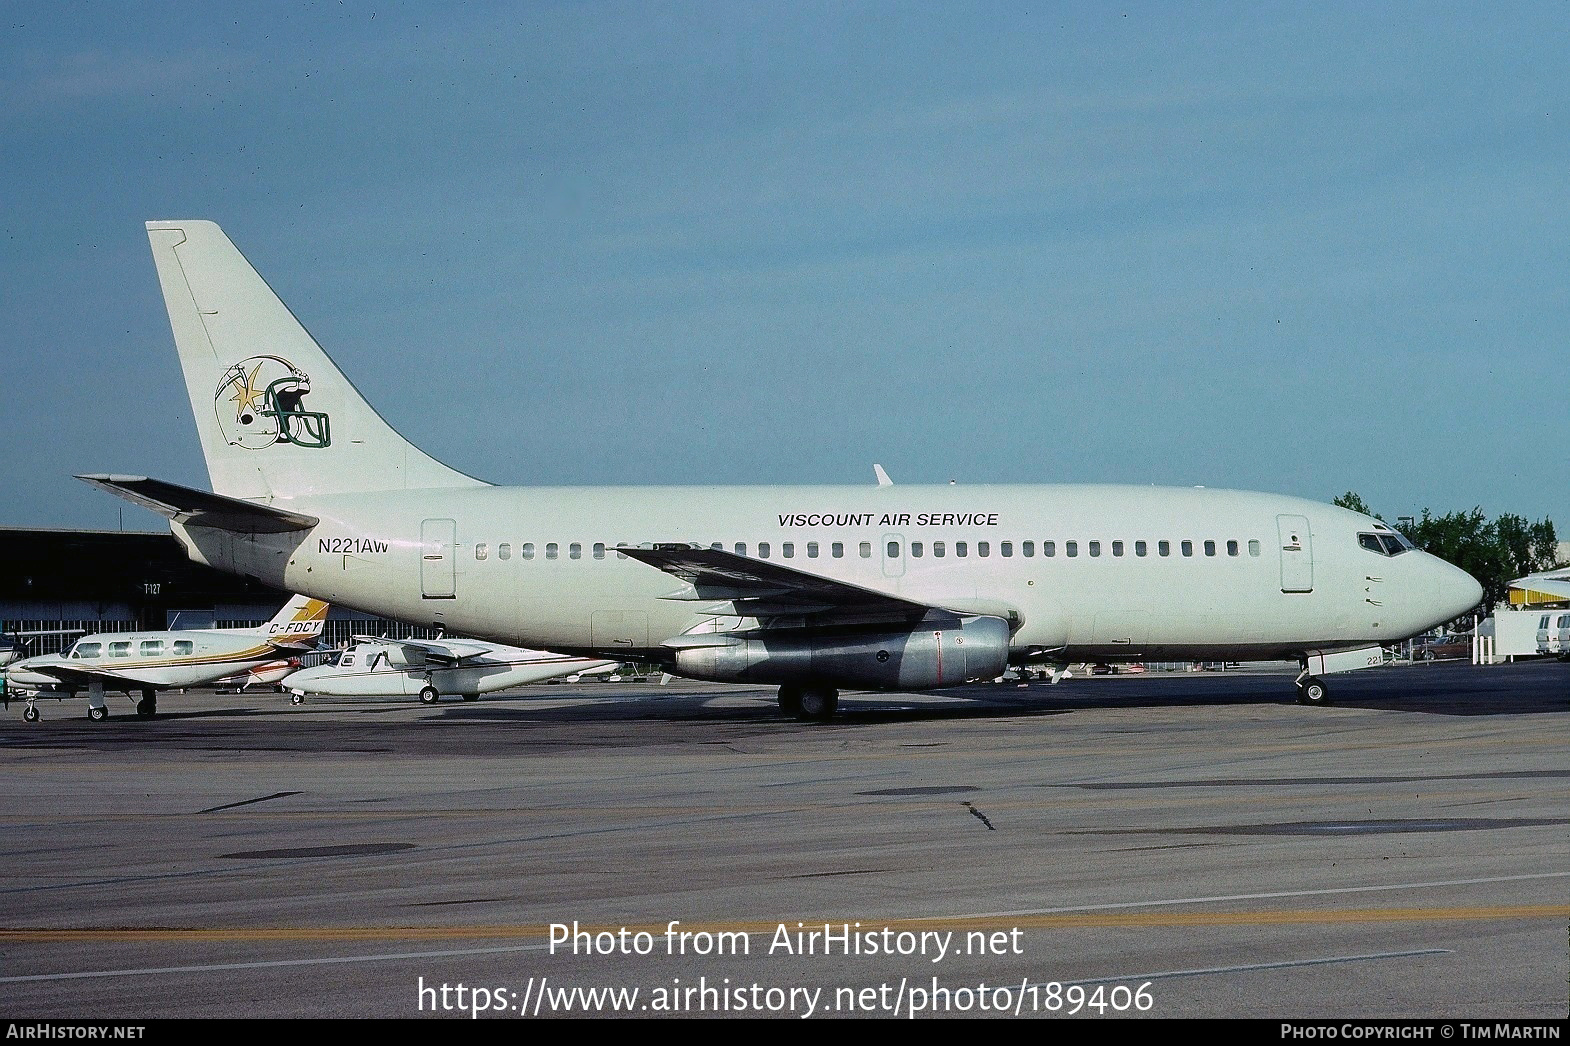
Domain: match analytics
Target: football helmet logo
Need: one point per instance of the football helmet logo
(260, 402)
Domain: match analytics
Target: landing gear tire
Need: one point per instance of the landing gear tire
(297, 699)
(1312, 691)
(471, 697)
(98, 714)
(428, 695)
(790, 701)
(29, 715)
(818, 703)
(147, 707)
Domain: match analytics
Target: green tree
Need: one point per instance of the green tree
(1352, 501)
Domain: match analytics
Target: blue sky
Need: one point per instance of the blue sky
(1297, 248)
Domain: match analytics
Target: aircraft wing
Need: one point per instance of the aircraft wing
(200, 508)
(760, 588)
(453, 651)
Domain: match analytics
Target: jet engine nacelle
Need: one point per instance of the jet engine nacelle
(944, 655)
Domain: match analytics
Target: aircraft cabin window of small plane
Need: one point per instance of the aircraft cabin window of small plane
(1164, 548)
(1232, 548)
(1188, 548)
(1095, 548)
(481, 550)
(1028, 549)
(961, 549)
(939, 549)
(1071, 548)
(347, 660)
(152, 648)
(983, 548)
(1210, 548)
(838, 549)
(504, 551)
(120, 649)
(1006, 549)
(916, 548)
(1253, 549)
(575, 551)
(812, 550)
(788, 549)
(599, 549)
(183, 646)
(1140, 548)
(866, 550)
(551, 550)
(763, 550)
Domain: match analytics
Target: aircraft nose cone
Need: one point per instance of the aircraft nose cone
(1459, 591)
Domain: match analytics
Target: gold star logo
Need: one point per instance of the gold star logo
(245, 396)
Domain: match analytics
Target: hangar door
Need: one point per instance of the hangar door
(1297, 554)
(438, 576)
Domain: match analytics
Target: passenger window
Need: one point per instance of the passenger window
(481, 550)
(1117, 548)
(1210, 548)
(939, 549)
(551, 550)
(1049, 548)
(838, 548)
(915, 549)
(788, 550)
(866, 550)
(1188, 548)
(575, 551)
(1253, 549)
(763, 550)
(526, 550)
(983, 548)
(1006, 548)
(1140, 548)
(599, 549)
(893, 550)
(152, 648)
(961, 549)
(183, 646)
(741, 548)
(347, 660)
(1095, 548)
(1071, 548)
(1164, 548)
(812, 550)
(504, 551)
(1028, 549)
(120, 649)
(1231, 548)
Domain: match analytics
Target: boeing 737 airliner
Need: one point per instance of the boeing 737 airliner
(811, 589)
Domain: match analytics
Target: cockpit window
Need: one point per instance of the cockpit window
(86, 649)
(1386, 543)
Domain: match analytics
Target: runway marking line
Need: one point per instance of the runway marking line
(1127, 920)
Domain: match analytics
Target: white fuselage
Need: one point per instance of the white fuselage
(1081, 572)
(155, 660)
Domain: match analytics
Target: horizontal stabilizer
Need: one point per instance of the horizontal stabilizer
(200, 508)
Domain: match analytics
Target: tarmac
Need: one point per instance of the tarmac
(1165, 845)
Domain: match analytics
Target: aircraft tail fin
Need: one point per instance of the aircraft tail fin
(276, 417)
(298, 624)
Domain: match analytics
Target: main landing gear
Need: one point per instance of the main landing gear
(147, 707)
(812, 703)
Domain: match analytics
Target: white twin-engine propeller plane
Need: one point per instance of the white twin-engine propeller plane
(148, 662)
(808, 588)
(429, 668)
